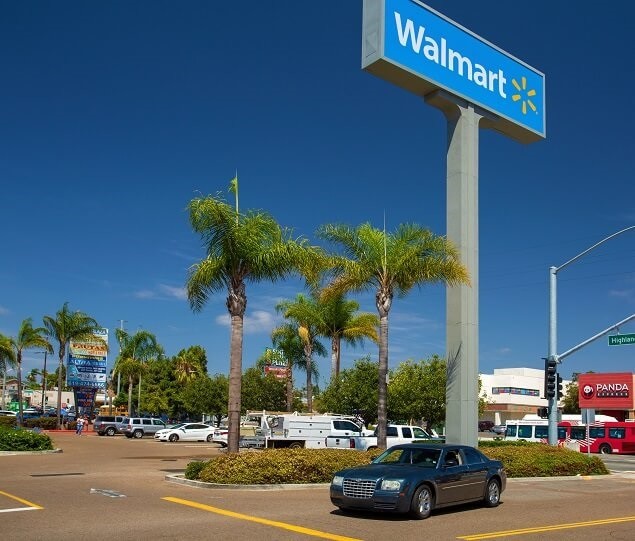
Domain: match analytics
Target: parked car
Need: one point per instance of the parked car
(107, 425)
(499, 429)
(8, 413)
(137, 427)
(220, 435)
(186, 432)
(417, 478)
(485, 426)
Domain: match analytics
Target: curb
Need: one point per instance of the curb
(181, 480)
(12, 453)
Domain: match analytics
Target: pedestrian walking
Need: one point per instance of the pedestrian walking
(80, 426)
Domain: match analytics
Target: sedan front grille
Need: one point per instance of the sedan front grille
(359, 488)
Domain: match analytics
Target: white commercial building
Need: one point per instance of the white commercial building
(512, 393)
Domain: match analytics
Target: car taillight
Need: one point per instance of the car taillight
(351, 444)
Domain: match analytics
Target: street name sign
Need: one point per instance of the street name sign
(621, 339)
(421, 50)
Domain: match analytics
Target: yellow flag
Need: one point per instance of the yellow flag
(233, 185)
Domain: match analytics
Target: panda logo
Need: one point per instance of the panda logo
(587, 391)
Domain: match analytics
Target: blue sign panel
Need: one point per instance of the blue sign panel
(405, 40)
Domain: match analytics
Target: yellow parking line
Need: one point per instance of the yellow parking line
(274, 523)
(25, 502)
(539, 529)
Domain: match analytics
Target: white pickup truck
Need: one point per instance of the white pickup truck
(394, 434)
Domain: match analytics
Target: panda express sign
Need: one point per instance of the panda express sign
(607, 391)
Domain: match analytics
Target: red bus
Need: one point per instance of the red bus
(603, 438)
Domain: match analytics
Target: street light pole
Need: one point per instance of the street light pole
(553, 329)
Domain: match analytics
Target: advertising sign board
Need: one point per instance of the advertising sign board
(421, 50)
(276, 364)
(606, 391)
(87, 361)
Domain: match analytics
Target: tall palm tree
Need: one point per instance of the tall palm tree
(64, 327)
(389, 263)
(340, 321)
(307, 312)
(7, 359)
(239, 248)
(28, 337)
(136, 350)
(286, 339)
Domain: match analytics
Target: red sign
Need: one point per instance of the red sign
(607, 391)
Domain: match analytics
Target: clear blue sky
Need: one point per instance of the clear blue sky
(115, 115)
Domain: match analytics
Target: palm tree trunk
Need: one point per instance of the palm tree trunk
(20, 408)
(139, 395)
(382, 419)
(59, 390)
(289, 388)
(235, 375)
(130, 396)
(334, 358)
(309, 386)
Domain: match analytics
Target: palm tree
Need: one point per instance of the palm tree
(28, 337)
(136, 350)
(389, 263)
(239, 248)
(7, 359)
(342, 322)
(287, 340)
(187, 368)
(307, 312)
(63, 328)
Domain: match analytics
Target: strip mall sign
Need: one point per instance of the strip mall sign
(607, 391)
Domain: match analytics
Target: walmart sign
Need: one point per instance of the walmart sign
(419, 49)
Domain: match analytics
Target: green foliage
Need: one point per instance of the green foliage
(193, 469)
(539, 460)
(571, 400)
(45, 423)
(417, 391)
(262, 392)
(7, 421)
(289, 466)
(23, 440)
(276, 466)
(353, 391)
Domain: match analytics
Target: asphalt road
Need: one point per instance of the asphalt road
(102, 488)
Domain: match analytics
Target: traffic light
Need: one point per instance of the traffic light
(551, 376)
(558, 386)
(543, 413)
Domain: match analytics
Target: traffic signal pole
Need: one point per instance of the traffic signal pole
(552, 356)
(553, 332)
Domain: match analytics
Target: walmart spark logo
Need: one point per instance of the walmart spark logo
(524, 95)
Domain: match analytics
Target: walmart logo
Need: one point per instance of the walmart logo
(524, 95)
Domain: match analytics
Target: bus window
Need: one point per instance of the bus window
(562, 432)
(525, 431)
(511, 431)
(542, 432)
(619, 433)
(578, 432)
(596, 432)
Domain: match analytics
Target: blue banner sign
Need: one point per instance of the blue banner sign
(417, 48)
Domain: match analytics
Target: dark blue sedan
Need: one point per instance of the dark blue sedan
(416, 478)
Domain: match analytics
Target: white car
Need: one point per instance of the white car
(8, 413)
(186, 432)
(220, 435)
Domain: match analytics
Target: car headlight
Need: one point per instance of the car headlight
(337, 480)
(391, 484)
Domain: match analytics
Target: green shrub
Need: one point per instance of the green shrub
(19, 439)
(45, 423)
(193, 469)
(274, 466)
(7, 421)
(526, 459)
(289, 466)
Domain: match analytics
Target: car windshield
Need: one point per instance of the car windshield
(424, 457)
(179, 425)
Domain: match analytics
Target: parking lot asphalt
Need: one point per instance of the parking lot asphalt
(114, 487)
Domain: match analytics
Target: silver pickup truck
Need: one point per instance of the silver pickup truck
(394, 434)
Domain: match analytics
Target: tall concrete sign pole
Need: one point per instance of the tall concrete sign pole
(473, 82)
(462, 301)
